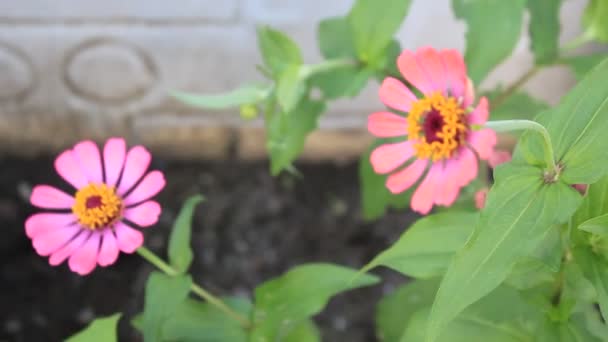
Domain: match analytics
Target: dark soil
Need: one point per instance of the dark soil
(252, 227)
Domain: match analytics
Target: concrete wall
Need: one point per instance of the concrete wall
(73, 69)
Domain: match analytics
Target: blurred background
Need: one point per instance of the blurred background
(72, 70)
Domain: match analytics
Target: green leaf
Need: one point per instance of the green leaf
(595, 20)
(180, 252)
(335, 38)
(375, 197)
(283, 302)
(286, 133)
(493, 30)
(395, 310)
(347, 81)
(597, 225)
(581, 65)
(427, 247)
(518, 105)
(595, 269)
(541, 266)
(577, 127)
(373, 24)
(291, 87)
(100, 330)
(163, 295)
(501, 316)
(278, 50)
(306, 331)
(544, 29)
(194, 320)
(247, 94)
(519, 212)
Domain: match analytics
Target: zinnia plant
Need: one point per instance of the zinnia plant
(513, 241)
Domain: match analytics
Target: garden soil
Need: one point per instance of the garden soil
(253, 227)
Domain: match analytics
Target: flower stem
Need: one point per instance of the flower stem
(516, 85)
(328, 65)
(211, 299)
(514, 125)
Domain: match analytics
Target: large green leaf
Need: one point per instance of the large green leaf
(335, 38)
(427, 247)
(577, 127)
(287, 133)
(519, 105)
(581, 65)
(306, 331)
(373, 24)
(278, 50)
(519, 212)
(493, 29)
(595, 20)
(100, 330)
(595, 203)
(247, 94)
(396, 309)
(163, 295)
(597, 225)
(180, 252)
(347, 81)
(544, 29)
(595, 269)
(501, 316)
(196, 321)
(375, 197)
(283, 302)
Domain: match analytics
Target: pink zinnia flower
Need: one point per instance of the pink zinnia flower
(89, 227)
(443, 136)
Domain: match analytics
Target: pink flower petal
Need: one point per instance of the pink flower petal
(128, 238)
(87, 153)
(388, 157)
(53, 239)
(46, 196)
(137, 162)
(483, 142)
(387, 125)
(396, 95)
(42, 222)
(145, 214)
(413, 72)
(151, 185)
(114, 158)
(422, 201)
(448, 187)
(431, 63)
(499, 157)
(66, 251)
(404, 179)
(84, 259)
(479, 116)
(456, 72)
(466, 167)
(69, 168)
(108, 253)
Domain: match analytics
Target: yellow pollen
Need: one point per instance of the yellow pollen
(97, 206)
(448, 137)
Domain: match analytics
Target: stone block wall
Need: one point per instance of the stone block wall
(74, 69)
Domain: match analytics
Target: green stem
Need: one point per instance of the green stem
(211, 299)
(328, 65)
(514, 125)
(516, 85)
(575, 43)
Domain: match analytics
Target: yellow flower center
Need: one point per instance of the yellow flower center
(439, 126)
(97, 206)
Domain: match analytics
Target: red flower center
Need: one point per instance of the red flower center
(433, 124)
(93, 202)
